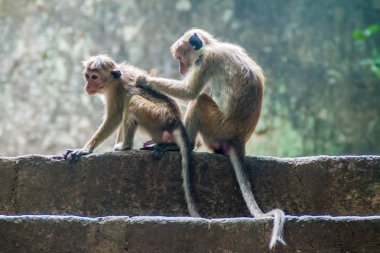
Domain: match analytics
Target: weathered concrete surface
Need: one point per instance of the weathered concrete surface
(172, 235)
(131, 183)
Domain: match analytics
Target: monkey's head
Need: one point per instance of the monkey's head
(98, 71)
(189, 47)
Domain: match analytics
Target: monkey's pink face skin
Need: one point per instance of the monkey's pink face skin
(182, 52)
(94, 83)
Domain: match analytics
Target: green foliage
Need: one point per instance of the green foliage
(367, 36)
(362, 35)
(372, 64)
(284, 140)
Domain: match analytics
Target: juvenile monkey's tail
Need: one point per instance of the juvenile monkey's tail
(237, 159)
(182, 140)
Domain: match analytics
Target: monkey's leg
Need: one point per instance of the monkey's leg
(119, 137)
(203, 115)
(129, 127)
(148, 113)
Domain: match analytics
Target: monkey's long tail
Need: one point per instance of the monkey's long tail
(182, 140)
(245, 186)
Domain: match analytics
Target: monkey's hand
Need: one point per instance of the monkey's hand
(74, 154)
(142, 82)
(121, 147)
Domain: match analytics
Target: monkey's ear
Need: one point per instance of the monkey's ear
(116, 73)
(195, 41)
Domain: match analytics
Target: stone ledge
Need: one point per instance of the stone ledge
(183, 234)
(131, 183)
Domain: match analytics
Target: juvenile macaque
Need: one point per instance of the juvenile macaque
(128, 107)
(216, 70)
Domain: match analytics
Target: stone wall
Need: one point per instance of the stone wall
(131, 183)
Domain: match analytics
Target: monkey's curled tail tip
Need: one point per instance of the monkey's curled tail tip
(278, 229)
(275, 242)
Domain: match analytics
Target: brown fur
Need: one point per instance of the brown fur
(225, 127)
(123, 100)
(242, 81)
(128, 107)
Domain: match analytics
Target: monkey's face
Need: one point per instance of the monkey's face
(182, 51)
(187, 50)
(185, 53)
(95, 82)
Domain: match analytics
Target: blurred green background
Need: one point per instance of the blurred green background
(321, 59)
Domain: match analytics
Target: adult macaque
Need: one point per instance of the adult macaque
(128, 107)
(225, 127)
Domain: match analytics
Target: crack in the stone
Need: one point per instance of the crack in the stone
(14, 194)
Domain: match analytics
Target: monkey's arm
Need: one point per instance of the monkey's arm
(187, 89)
(106, 128)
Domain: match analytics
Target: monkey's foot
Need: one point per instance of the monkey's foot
(148, 145)
(74, 154)
(120, 147)
(161, 148)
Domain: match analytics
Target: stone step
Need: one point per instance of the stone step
(132, 183)
(38, 233)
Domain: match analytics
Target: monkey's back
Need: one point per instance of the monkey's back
(241, 83)
(165, 107)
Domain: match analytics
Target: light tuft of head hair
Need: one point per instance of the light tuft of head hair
(99, 63)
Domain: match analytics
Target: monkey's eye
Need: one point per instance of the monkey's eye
(94, 77)
(86, 76)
